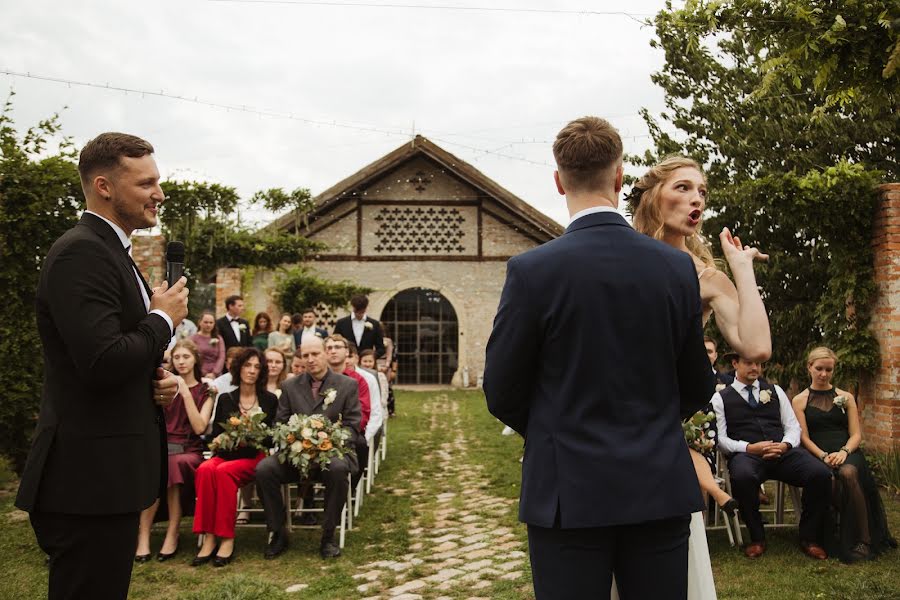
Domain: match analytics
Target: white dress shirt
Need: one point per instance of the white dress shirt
(359, 326)
(591, 211)
(126, 244)
(235, 326)
(307, 331)
(788, 418)
(376, 412)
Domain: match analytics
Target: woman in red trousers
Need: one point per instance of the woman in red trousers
(219, 478)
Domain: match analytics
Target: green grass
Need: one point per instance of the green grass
(783, 573)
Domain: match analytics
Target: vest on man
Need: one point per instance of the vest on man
(750, 424)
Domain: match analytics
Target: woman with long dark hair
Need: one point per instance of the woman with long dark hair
(219, 478)
(210, 346)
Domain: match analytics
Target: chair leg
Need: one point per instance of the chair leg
(384, 441)
(370, 472)
(349, 507)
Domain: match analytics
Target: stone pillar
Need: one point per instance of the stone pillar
(228, 283)
(149, 254)
(880, 393)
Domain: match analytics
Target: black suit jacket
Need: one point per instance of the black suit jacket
(596, 355)
(322, 333)
(99, 446)
(224, 327)
(372, 338)
(296, 398)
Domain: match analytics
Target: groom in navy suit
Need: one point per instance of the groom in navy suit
(607, 482)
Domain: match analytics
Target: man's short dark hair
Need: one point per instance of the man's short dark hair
(359, 302)
(585, 150)
(102, 154)
(308, 310)
(230, 300)
(351, 346)
(297, 318)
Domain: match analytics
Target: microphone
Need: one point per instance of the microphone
(174, 262)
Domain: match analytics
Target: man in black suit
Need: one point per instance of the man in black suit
(607, 482)
(723, 378)
(233, 328)
(361, 329)
(307, 394)
(304, 324)
(99, 454)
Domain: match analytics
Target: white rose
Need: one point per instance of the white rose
(711, 433)
(765, 396)
(369, 325)
(297, 447)
(306, 432)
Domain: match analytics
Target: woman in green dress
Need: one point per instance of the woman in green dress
(829, 419)
(262, 327)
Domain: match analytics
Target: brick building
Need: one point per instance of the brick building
(431, 235)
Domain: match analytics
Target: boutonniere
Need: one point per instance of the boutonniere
(242, 326)
(720, 387)
(765, 396)
(841, 403)
(330, 396)
(317, 334)
(369, 325)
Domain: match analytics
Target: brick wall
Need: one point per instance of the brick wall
(228, 283)
(149, 254)
(880, 394)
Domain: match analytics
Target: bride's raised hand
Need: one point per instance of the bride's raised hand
(736, 253)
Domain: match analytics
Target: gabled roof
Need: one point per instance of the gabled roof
(543, 225)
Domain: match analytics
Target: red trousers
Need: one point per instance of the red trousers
(217, 482)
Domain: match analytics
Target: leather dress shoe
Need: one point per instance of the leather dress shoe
(813, 550)
(307, 520)
(142, 558)
(329, 549)
(277, 545)
(221, 561)
(754, 549)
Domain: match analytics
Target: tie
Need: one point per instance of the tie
(751, 397)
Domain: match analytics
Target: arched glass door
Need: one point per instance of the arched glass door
(424, 328)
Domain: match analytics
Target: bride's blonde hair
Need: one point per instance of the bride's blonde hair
(644, 205)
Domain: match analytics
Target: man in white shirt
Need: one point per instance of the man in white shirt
(304, 325)
(360, 328)
(759, 433)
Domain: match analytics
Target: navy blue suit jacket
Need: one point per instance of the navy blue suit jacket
(599, 390)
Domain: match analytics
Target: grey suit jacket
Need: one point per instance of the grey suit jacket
(297, 398)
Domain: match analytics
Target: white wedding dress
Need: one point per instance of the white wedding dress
(700, 578)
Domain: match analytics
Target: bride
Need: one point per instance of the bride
(667, 204)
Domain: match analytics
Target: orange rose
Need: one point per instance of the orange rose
(290, 438)
(307, 444)
(234, 421)
(325, 445)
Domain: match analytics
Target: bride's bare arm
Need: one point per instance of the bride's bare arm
(740, 313)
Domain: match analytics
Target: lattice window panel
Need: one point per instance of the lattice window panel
(326, 317)
(419, 230)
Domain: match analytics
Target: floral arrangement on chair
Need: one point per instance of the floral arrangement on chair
(242, 431)
(697, 432)
(307, 439)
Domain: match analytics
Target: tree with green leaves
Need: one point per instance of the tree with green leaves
(40, 198)
(299, 288)
(793, 108)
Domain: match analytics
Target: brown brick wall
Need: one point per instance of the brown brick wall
(228, 282)
(880, 393)
(149, 254)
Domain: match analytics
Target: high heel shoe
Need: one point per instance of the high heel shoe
(202, 560)
(141, 558)
(221, 561)
(729, 507)
(163, 557)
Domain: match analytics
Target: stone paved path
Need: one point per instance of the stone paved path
(459, 545)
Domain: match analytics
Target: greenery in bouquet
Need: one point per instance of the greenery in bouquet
(308, 439)
(242, 431)
(697, 431)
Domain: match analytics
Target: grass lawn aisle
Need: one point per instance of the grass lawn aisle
(440, 523)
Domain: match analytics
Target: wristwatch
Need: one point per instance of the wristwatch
(845, 449)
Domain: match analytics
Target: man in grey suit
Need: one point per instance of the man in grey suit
(304, 395)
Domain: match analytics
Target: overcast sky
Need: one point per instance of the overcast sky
(344, 84)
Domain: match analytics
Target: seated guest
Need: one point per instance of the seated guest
(367, 361)
(376, 405)
(712, 352)
(759, 433)
(219, 478)
(361, 329)
(305, 324)
(277, 370)
(337, 352)
(830, 431)
(186, 419)
(262, 327)
(283, 337)
(304, 395)
(210, 345)
(298, 367)
(223, 383)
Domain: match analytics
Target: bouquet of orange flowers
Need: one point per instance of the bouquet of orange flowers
(242, 431)
(697, 431)
(308, 439)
